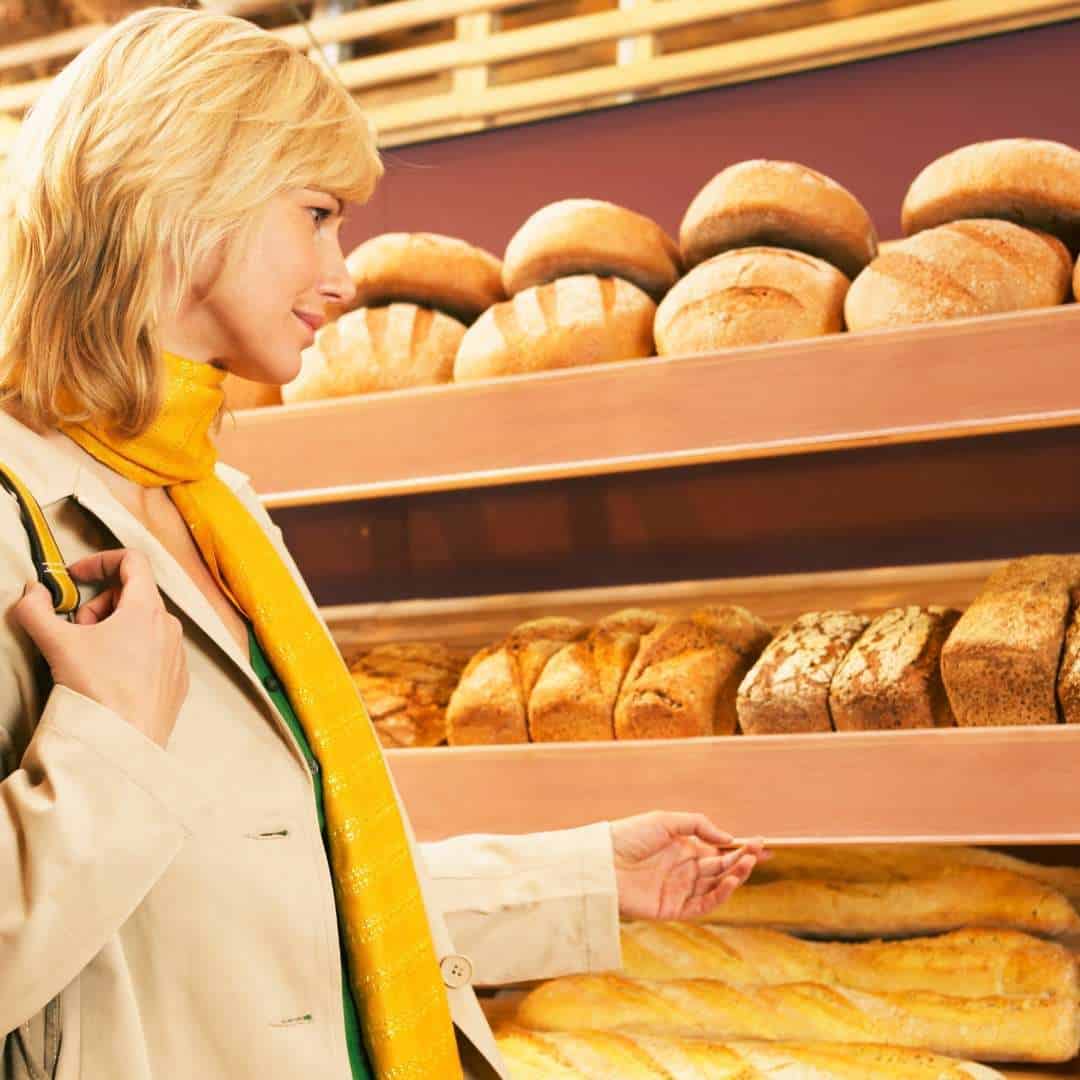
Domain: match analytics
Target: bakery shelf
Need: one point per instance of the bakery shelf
(970, 377)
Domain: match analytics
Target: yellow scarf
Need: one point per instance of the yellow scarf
(392, 965)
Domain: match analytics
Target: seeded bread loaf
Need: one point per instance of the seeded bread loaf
(567, 323)
(1032, 182)
(752, 296)
(371, 349)
(574, 698)
(780, 204)
(587, 236)
(1068, 686)
(787, 691)
(683, 680)
(959, 270)
(1000, 664)
(489, 704)
(891, 678)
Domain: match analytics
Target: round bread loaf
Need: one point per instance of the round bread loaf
(1031, 182)
(586, 236)
(750, 297)
(965, 268)
(370, 349)
(566, 323)
(779, 204)
(245, 394)
(427, 269)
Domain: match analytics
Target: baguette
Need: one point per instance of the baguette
(964, 963)
(1000, 663)
(891, 678)
(683, 680)
(489, 703)
(948, 900)
(574, 697)
(1032, 1028)
(599, 1055)
(787, 690)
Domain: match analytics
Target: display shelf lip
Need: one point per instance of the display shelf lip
(974, 381)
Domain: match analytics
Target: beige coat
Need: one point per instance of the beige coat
(178, 900)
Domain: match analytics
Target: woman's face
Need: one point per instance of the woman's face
(262, 309)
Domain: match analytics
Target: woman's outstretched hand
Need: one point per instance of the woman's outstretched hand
(677, 866)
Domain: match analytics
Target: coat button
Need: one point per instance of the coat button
(456, 971)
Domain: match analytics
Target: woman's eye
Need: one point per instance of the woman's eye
(319, 214)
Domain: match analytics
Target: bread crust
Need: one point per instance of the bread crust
(752, 296)
(1032, 182)
(428, 269)
(781, 204)
(1068, 684)
(588, 236)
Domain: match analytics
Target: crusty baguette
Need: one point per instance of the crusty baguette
(963, 963)
(587, 236)
(683, 680)
(372, 349)
(574, 698)
(568, 322)
(1000, 663)
(787, 690)
(601, 1055)
(781, 204)
(891, 678)
(489, 703)
(948, 900)
(752, 296)
(1032, 182)
(959, 270)
(428, 269)
(1035, 1028)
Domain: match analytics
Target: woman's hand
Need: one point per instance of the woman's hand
(124, 650)
(677, 866)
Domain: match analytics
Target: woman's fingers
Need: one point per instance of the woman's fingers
(98, 609)
(679, 824)
(130, 568)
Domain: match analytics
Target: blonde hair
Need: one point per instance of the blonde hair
(159, 142)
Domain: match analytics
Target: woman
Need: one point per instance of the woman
(169, 880)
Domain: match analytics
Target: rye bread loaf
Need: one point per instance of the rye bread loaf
(489, 704)
(685, 674)
(1033, 182)
(787, 690)
(569, 322)
(1068, 685)
(372, 349)
(587, 236)
(959, 270)
(891, 678)
(1000, 664)
(752, 296)
(426, 269)
(779, 204)
(574, 697)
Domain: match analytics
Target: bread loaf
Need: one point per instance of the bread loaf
(1000, 663)
(574, 698)
(586, 236)
(1032, 182)
(427, 269)
(948, 900)
(371, 349)
(964, 963)
(683, 680)
(1068, 684)
(406, 688)
(489, 703)
(779, 204)
(752, 296)
(1076, 280)
(1035, 1028)
(599, 1055)
(567, 323)
(959, 270)
(787, 690)
(891, 678)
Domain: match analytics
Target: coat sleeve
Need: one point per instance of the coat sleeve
(529, 907)
(91, 814)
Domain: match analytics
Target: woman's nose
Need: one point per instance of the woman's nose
(337, 284)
